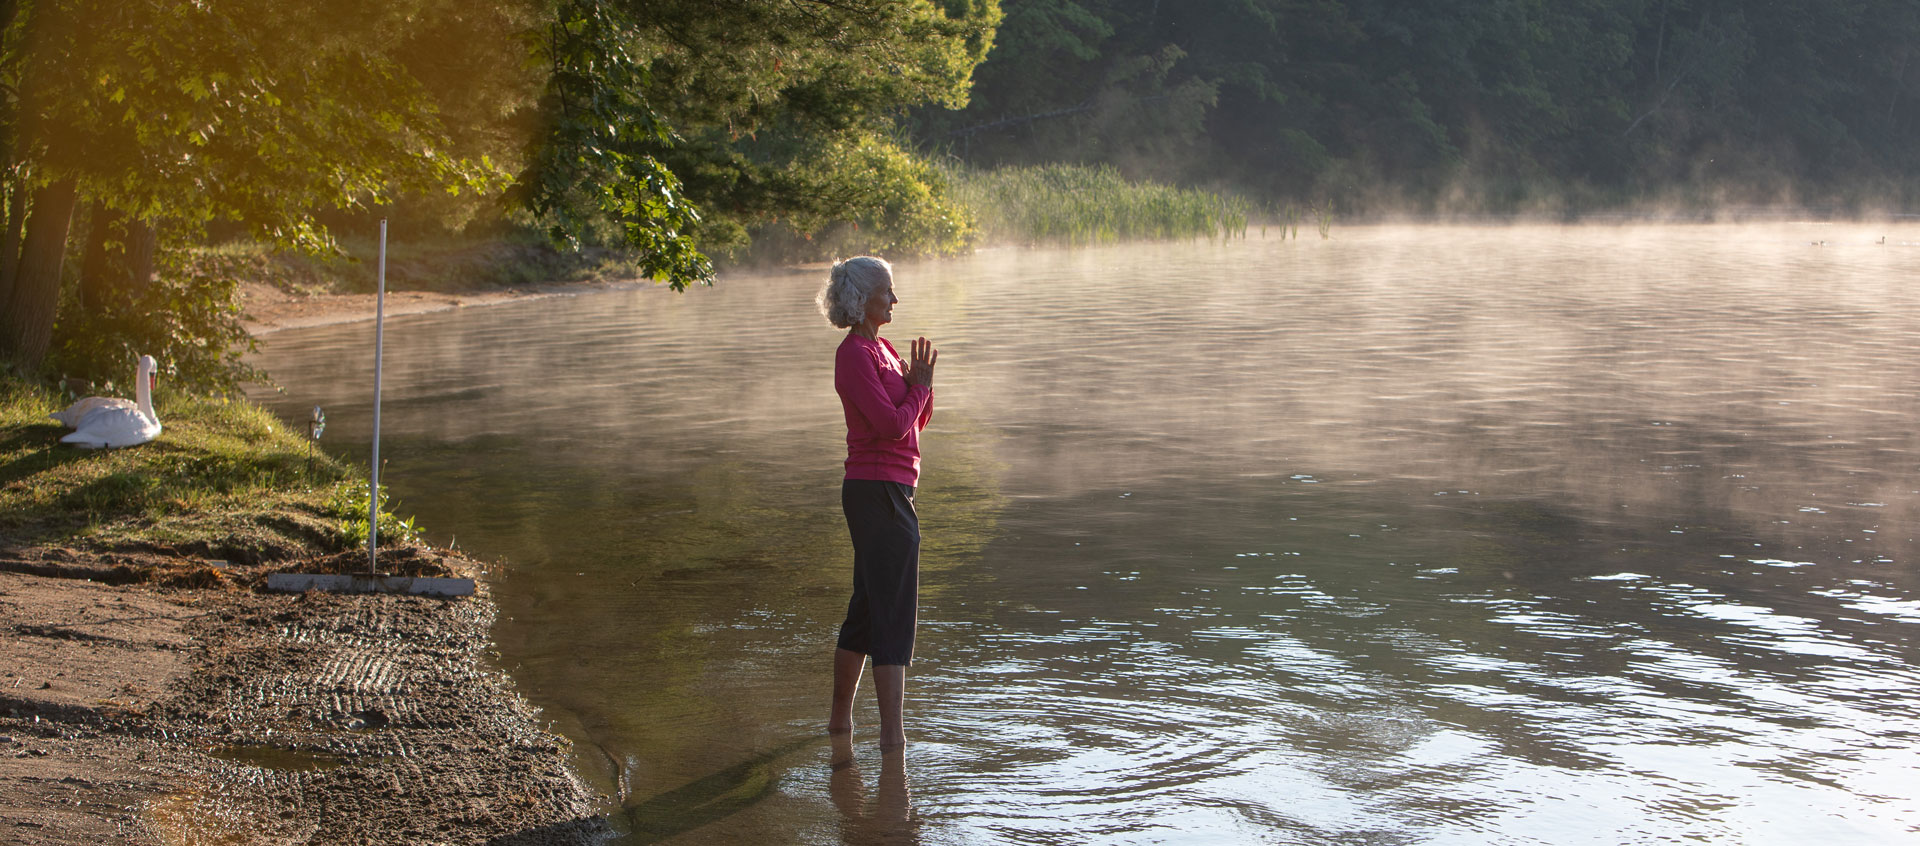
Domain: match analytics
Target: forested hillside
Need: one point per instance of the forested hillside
(1485, 105)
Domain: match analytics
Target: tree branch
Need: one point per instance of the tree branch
(1086, 106)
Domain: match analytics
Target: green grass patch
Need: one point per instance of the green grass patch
(224, 480)
(1074, 205)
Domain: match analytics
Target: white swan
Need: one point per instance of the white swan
(78, 411)
(112, 423)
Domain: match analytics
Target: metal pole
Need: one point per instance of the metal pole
(373, 486)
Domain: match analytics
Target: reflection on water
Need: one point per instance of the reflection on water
(1445, 534)
(888, 817)
(708, 799)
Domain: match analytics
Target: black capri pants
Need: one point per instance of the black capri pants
(886, 570)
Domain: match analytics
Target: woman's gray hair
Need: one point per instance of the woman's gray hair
(849, 286)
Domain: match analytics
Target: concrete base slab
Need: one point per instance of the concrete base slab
(359, 583)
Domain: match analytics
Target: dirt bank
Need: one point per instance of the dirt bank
(136, 713)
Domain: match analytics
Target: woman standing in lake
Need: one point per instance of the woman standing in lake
(887, 403)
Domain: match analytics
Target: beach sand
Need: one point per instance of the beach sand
(267, 309)
(160, 698)
(193, 708)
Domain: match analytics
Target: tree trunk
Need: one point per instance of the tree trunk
(10, 241)
(28, 323)
(97, 264)
(16, 191)
(142, 242)
(118, 261)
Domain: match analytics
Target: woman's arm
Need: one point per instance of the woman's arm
(920, 372)
(856, 376)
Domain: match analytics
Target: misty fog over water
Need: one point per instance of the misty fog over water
(1420, 534)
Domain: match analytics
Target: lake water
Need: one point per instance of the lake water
(1417, 535)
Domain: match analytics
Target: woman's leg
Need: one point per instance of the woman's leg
(881, 616)
(847, 669)
(890, 687)
(894, 593)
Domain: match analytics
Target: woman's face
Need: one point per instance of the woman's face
(880, 304)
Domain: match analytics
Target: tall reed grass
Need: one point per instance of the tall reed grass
(1073, 204)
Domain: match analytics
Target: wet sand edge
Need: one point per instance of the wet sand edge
(266, 309)
(150, 714)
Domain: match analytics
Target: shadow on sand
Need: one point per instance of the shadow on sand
(710, 798)
(886, 819)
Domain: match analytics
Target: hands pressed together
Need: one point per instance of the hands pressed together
(920, 359)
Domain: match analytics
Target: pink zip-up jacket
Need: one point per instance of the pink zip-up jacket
(884, 413)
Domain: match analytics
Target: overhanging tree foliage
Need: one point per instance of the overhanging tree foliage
(593, 162)
(165, 116)
(753, 112)
(136, 125)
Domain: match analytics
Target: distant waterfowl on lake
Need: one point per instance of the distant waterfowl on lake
(115, 422)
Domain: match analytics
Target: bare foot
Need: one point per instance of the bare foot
(842, 752)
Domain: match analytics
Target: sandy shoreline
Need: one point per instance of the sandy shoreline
(266, 309)
(141, 713)
(196, 708)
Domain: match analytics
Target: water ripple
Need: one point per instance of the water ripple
(1416, 535)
